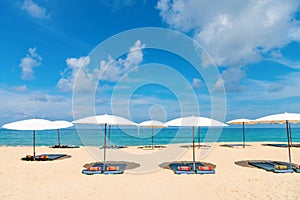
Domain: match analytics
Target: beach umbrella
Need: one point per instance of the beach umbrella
(285, 118)
(60, 124)
(105, 120)
(30, 125)
(194, 121)
(242, 121)
(153, 124)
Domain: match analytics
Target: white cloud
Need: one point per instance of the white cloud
(266, 97)
(68, 76)
(286, 62)
(282, 88)
(276, 87)
(231, 78)
(65, 84)
(43, 97)
(20, 88)
(112, 70)
(295, 34)
(39, 104)
(28, 64)
(34, 9)
(135, 55)
(196, 83)
(78, 63)
(39, 98)
(234, 32)
(109, 70)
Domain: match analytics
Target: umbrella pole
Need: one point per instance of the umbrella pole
(289, 145)
(194, 162)
(34, 145)
(108, 135)
(104, 146)
(290, 131)
(243, 134)
(58, 136)
(152, 137)
(198, 136)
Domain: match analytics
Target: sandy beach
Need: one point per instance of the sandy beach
(62, 179)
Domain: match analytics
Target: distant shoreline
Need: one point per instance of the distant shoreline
(131, 137)
(170, 144)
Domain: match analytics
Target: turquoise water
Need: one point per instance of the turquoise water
(133, 137)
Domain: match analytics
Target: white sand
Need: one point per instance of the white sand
(62, 179)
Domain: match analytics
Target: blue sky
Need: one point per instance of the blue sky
(254, 45)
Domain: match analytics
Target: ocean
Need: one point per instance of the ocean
(142, 136)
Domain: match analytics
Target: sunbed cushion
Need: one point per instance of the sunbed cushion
(280, 167)
(89, 168)
(205, 168)
(112, 168)
(43, 157)
(184, 168)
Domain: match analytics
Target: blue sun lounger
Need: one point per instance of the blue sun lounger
(234, 145)
(44, 157)
(92, 172)
(270, 166)
(65, 146)
(109, 169)
(199, 171)
(296, 168)
(181, 168)
(113, 147)
(282, 145)
(277, 145)
(87, 172)
(114, 168)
